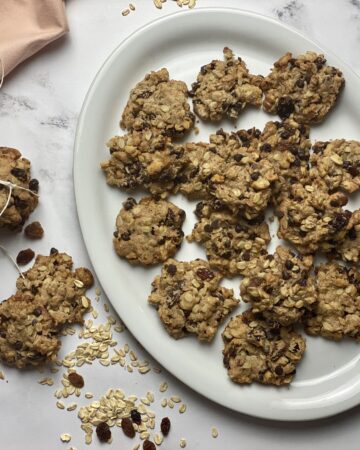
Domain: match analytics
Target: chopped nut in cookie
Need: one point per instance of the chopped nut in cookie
(236, 173)
(311, 218)
(262, 351)
(189, 300)
(337, 163)
(281, 287)
(14, 169)
(148, 232)
(337, 312)
(304, 88)
(232, 244)
(224, 88)
(159, 103)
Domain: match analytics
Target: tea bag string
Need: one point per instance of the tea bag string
(11, 259)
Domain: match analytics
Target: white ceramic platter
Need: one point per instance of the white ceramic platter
(328, 378)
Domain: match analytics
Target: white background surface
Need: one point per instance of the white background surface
(39, 106)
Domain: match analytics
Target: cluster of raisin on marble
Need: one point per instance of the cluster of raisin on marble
(236, 176)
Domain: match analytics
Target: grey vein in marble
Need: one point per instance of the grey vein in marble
(10, 103)
(57, 121)
(292, 13)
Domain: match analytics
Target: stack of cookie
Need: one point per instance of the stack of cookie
(237, 176)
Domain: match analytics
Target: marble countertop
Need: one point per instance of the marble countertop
(39, 106)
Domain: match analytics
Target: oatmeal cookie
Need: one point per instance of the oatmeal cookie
(262, 351)
(134, 165)
(287, 146)
(281, 287)
(189, 300)
(311, 218)
(236, 174)
(337, 312)
(337, 163)
(148, 232)
(16, 170)
(28, 333)
(305, 88)
(224, 88)
(232, 244)
(189, 182)
(52, 282)
(159, 103)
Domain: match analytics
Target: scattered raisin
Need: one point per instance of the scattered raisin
(165, 426)
(25, 256)
(76, 380)
(128, 427)
(148, 445)
(205, 274)
(54, 251)
(34, 185)
(34, 231)
(135, 416)
(103, 432)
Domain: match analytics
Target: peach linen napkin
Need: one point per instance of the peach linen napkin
(26, 26)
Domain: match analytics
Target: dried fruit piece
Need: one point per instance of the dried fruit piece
(128, 427)
(135, 416)
(165, 426)
(103, 432)
(76, 380)
(34, 230)
(25, 256)
(148, 445)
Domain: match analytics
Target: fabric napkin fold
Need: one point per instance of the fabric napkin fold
(26, 26)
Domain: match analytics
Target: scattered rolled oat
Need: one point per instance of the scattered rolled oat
(214, 432)
(60, 404)
(65, 437)
(182, 408)
(46, 381)
(71, 407)
(125, 12)
(182, 443)
(163, 387)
